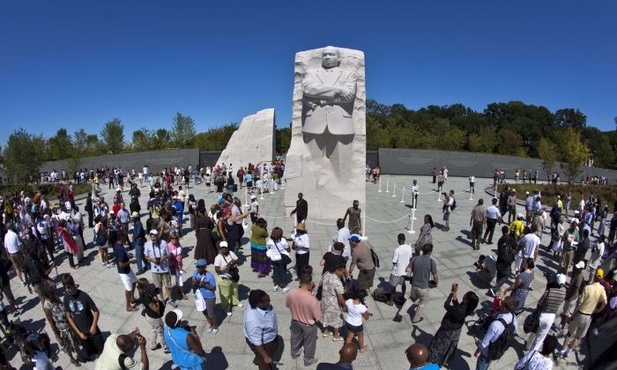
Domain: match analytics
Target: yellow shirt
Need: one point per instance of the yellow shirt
(517, 227)
(592, 295)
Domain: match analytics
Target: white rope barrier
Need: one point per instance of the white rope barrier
(387, 222)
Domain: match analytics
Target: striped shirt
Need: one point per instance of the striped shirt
(552, 300)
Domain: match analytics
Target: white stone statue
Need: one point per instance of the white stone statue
(327, 155)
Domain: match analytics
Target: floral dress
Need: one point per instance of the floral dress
(331, 310)
(59, 317)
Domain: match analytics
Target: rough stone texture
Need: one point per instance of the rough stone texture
(329, 176)
(252, 142)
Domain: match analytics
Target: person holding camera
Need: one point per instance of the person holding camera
(186, 350)
(445, 341)
(205, 284)
(153, 311)
(158, 255)
(421, 268)
(123, 263)
(225, 265)
(115, 355)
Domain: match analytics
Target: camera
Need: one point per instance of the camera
(131, 256)
(157, 260)
(432, 284)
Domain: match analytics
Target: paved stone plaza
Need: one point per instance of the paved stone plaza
(386, 216)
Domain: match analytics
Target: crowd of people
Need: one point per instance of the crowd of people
(331, 302)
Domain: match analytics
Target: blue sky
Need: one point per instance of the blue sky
(80, 63)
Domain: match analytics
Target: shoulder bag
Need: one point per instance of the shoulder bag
(286, 259)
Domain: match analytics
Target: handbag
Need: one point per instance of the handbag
(532, 322)
(284, 257)
(234, 272)
(200, 302)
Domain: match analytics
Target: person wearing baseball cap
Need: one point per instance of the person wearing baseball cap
(593, 300)
(572, 293)
(570, 239)
(548, 305)
(179, 337)
(225, 266)
(362, 258)
(254, 208)
(205, 283)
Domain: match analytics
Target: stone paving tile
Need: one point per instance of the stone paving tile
(386, 216)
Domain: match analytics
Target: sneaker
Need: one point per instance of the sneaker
(229, 313)
(492, 290)
(209, 330)
(565, 354)
(104, 264)
(166, 350)
(240, 305)
(215, 330)
(285, 290)
(275, 288)
(173, 304)
(311, 362)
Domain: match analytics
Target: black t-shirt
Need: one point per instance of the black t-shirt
(121, 256)
(34, 269)
(331, 262)
(146, 300)
(80, 307)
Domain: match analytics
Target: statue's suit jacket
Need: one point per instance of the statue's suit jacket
(322, 108)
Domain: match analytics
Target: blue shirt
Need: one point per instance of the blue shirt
(208, 279)
(260, 326)
(249, 177)
(181, 354)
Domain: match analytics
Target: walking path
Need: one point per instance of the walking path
(386, 216)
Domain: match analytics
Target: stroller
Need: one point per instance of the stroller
(19, 336)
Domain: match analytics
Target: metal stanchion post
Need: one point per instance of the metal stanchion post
(394, 191)
(402, 196)
(412, 216)
(387, 185)
(379, 191)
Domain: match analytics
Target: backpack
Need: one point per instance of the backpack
(497, 348)
(453, 207)
(380, 295)
(99, 238)
(509, 254)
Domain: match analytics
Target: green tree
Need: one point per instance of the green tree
(283, 139)
(183, 131)
(160, 139)
(113, 136)
(574, 153)
(23, 156)
(80, 141)
(215, 138)
(142, 140)
(59, 146)
(511, 143)
(93, 146)
(548, 153)
(568, 117)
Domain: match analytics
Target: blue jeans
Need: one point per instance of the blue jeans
(139, 253)
(483, 363)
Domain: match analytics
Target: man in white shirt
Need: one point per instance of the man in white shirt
(400, 261)
(12, 245)
(493, 215)
(342, 235)
(530, 246)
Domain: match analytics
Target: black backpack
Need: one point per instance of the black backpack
(453, 207)
(497, 348)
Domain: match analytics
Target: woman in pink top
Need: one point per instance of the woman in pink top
(175, 263)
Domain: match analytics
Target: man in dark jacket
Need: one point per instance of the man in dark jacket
(506, 250)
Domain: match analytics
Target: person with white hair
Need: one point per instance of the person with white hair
(548, 305)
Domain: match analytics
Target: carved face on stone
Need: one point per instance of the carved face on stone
(330, 57)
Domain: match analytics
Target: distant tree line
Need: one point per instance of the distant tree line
(512, 128)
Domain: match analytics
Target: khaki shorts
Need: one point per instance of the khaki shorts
(568, 307)
(579, 325)
(18, 260)
(161, 280)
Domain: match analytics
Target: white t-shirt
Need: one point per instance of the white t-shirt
(354, 312)
(400, 259)
(222, 261)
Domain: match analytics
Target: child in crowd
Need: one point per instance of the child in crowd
(356, 313)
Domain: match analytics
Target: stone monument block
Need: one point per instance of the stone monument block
(253, 141)
(327, 156)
